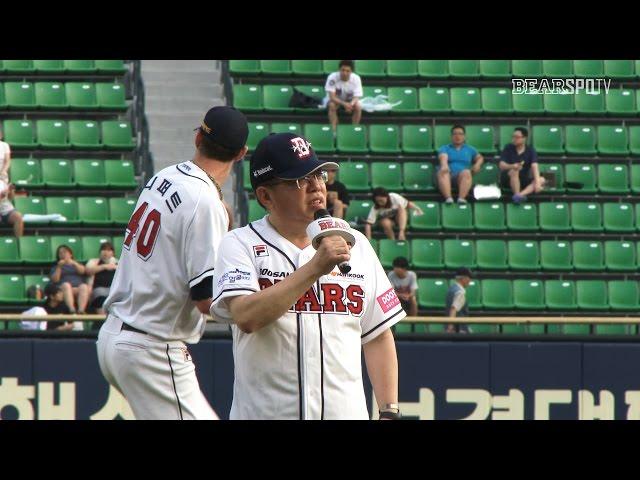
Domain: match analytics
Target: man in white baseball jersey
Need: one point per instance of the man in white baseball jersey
(299, 325)
(344, 89)
(166, 269)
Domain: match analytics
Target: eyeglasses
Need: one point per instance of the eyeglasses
(319, 176)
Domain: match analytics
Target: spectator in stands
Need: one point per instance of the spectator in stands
(100, 272)
(456, 301)
(344, 89)
(519, 166)
(5, 160)
(69, 275)
(8, 213)
(337, 195)
(54, 304)
(458, 162)
(391, 209)
(405, 283)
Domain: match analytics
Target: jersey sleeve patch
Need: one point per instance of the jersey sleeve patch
(388, 300)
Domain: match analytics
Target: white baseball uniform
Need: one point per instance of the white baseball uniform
(170, 246)
(307, 364)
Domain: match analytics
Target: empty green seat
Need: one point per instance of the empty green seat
(495, 68)
(375, 245)
(555, 169)
(586, 217)
(435, 100)
(371, 68)
(524, 104)
(497, 101)
(352, 139)
(623, 295)
(559, 104)
(121, 210)
(621, 102)
(257, 131)
(584, 174)
(357, 212)
(474, 294)
(111, 96)
(592, 295)
(528, 294)
(619, 69)
(554, 217)
(386, 174)
(91, 245)
(26, 172)
(620, 256)
(306, 67)
(491, 255)
(20, 95)
(614, 329)
(560, 295)
(590, 103)
(408, 96)
(371, 90)
(442, 136)
(402, 68)
(523, 255)
(588, 255)
(426, 254)
(416, 139)
(330, 66)
(433, 68)
(73, 242)
(320, 136)
(522, 218)
(634, 139)
(285, 127)
(391, 249)
(117, 135)
(110, 66)
(418, 177)
(618, 217)
(18, 66)
(497, 294)
(488, 174)
(244, 67)
(557, 68)
(50, 96)
(526, 68)
(9, 252)
(35, 249)
(355, 176)
(89, 173)
(612, 140)
(489, 217)
(384, 139)
(459, 253)
(580, 140)
(466, 100)
(481, 138)
(275, 67)
(57, 173)
(464, 68)
(613, 178)
(276, 98)
(547, 139)
(635, 178)
(588, 68)
(84, 135)
(32, 204)
(79, 66)
(120, 174)
(432, 293)
(555, 255)
(457, 217)
(65, 206)
(12, 289)
(52, 134)
(247, 98)
(430, 220)
(93, 210)
(81, 95)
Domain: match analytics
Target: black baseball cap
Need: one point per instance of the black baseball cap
(464, 272)
(286, 156)
(226, 126)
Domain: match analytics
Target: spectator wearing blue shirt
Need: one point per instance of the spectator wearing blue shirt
(519, 166)
(458, 162)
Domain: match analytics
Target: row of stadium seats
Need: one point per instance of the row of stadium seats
(78, 210)
(88, 67)
(493, 217)
(531, 255)
(64, 173)
(456, 100)
(584, 140)
(42, 249)
(490, 69)
(62, 135)
(62, 96)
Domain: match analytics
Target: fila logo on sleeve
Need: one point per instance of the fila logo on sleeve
(260, 251)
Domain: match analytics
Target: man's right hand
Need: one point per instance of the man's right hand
(348, 107)
(332, 251)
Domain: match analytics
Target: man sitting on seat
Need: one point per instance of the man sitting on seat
(519, 166)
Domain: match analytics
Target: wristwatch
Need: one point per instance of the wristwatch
(390, 411)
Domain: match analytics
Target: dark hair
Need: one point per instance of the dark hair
(457, 125)
(522, 130)
(211, 149)
(380, 192)
(51, 289)
(63, 246)
(347, 63)
(400, 262)
(106, 246)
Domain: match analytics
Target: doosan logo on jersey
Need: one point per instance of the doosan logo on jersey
(260, 171)
(268, 273)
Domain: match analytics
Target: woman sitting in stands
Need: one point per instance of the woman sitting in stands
(69, 275)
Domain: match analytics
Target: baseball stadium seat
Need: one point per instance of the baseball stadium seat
(320, 136)
(426, 254)
(9, 252)
(489, 217)
(121, 209)
(84, 135)
(387, 175)
(588, 68)
(120, 174)
(432, 293)
(306, 67)
(592, 295)
(20, 95)
(618, 217)
(435, 100)
(391, 249)
(495, 68)
(523, 255)
(402, 68)
(528, 104)
(526, 68)
(48, 66)
(635, 178)
(357, 212)
(588, 255)
(375, 245)
(457, 217)
(12, 288)
(619, 69)
(621, 102)
(586, 217)
(91, 245)
(110, 66)
(433, 68)
(613, 178)
(111, 96)
(497, 294)
(74, 242)
(81, 95)
(35, 249)
(89, 173)
(247, 98)
(497, 101)
(52, 134)
(488, 174)
(558, 172)
(50, 96)
(623, 295)
(244, 67)
(418, 177)
(384, 139)
(430, 220)
(65, 206)
(275, 67)
(371, 68)
(409, 98)
(351, 139)
(590, 103)
(554, 217)
(286, 127)
(560, 295)
(555, 255)
(547, 139)
(330, 66)
(355, 176)
(466, 100)
(580, 140)
(620, 256)
(528, 294)
(31, 204)
(57, 173)
(491, 255)
(612, 140)
(557, 68)
(561, 105)
(117, 135)
(481, 137)
(276, 98)
(257, 131)
(38, 281)
(26, 172)
(93, 210)
(80, 66)
(371, 90)
(459, 253)
(584, 174)
(442, 136)
(313, 91)
(474, 294)
(522, 217)
(464, 68)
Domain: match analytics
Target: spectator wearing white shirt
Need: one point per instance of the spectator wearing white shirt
(344, 89)
(391, 209)
(405, 283)
(8, 213)
(5, 159)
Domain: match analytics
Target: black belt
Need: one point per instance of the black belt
(126, 326)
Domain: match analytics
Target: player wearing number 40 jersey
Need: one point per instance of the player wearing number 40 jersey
(165, 270)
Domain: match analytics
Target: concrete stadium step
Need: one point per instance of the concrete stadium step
(159, 104)
(174, 90)
(179, 65)
(212, 77)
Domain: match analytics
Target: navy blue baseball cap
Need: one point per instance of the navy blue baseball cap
(285, 156)
(226, 126)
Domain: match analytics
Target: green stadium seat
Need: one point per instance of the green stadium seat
(557, 68)
(387, 175)
(481, 138)
(588, 255)
(459, 253)
(435, 100)
(79, 66)
(320, 136)
(488, 174)
(32, 204)
(547, 139)
(466, 100)
(418, 177)
(634, 139)
(497, 101)
(524, 104)
(523, 218)
(391, 249)
(38, 281)
(371, 68)
(111, 96)
(433, 68)
(3, 103)
(497, 294)
(246, 176)
(351, 139)
(81, 95)
(110, 66)
(244, 67)
(614, 329)
(491, 255)
(588, 68)
(592, 295)
(432, 293)
(26, 172)
(65, 206)
(619, 69)
(57, 173)
(121, 210)
(580, 140)
(402, 68)
(526, 68)
(590, 103)
(572, 329)
(50, 96)
(306, 67)
(613, 178)
(73, 242)
(620, 256)
(464, 68)
(84, 135)
(117, 135)
(618, 217)
(357, 212)
(117, 245)
(555, 255)
(35, 249)
(93, 210)
(621, 102)
(554, 217)
(635, 178)
(489, 217)
(52, 134)
(9, 252)
(457, 217)
(430, 220)
(375, 245)
(563, 105)
(384, 139)
(286, 128)
(474, 294)
(247, 98)
(120, 174)
(623, 295)
(12, 288)
(89, 173)
(560, 295)
(20, 95)
(314, 91)
(18, 66)
(257, 131)
(372, 90)
(48, 66)
(355, 176)
(506, 132)
(426, 254)
(275, 67)
(442, 136)
(523, 255)
(612, 140)
(91, 245)
(409, 98)
(528, 294)
(558, 171)
(276, 98)
(586, 217)
(330, 66)
(584, 174)
(495, 68)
